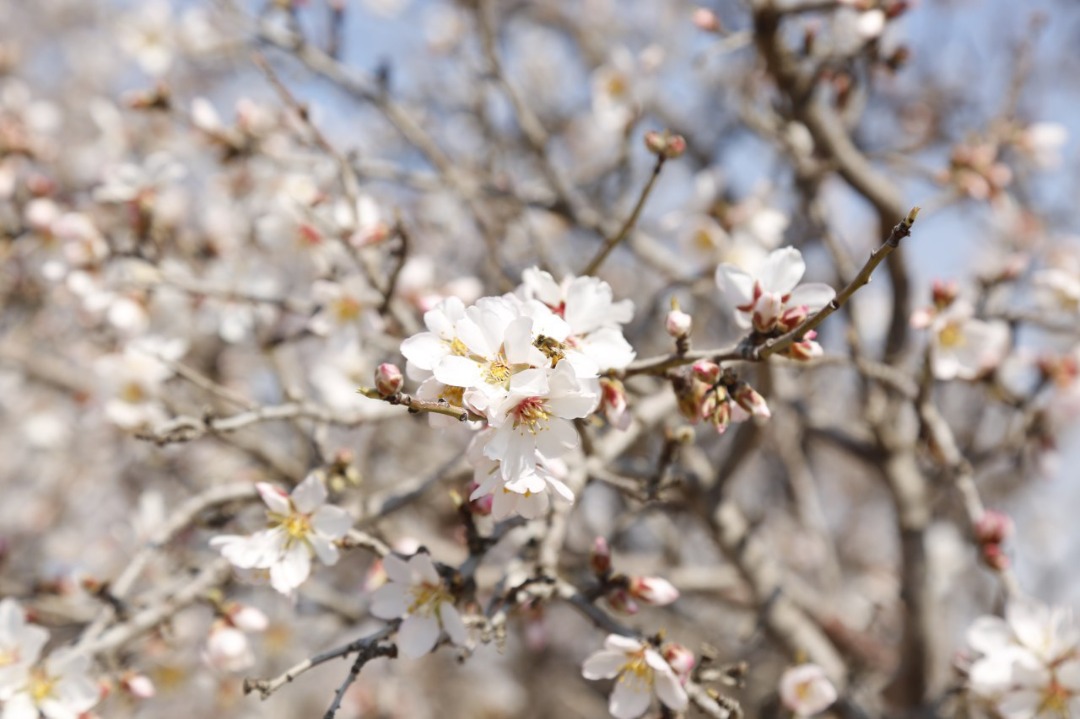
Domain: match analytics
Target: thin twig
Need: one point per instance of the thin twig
(612, 242)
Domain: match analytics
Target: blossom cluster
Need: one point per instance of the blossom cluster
(525, 365)
(1028, 663)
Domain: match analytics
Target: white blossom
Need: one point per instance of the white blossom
(640, 671)
(769, 297)
(963, 347)
(58, 688)
(301, 525)
(20, 647)
(806, 690)
(416, 594)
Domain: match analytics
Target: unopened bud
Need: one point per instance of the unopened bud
(245, 618)
(993, 527)
(749, 399)
(137, 685)
(678, 323)
(665, 144)
(653, 590)
(944, 293)
(792, 317)
(720, 417)
(805, 349)
(705, 19)
(482, 504)
(613, 403)
(600, 557)
(679, 658)
(388, 379)
(621, 602)
(706, 371)
(994, 557)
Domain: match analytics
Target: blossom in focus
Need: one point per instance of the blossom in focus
(301, 525)
(640, 671)
(1028, 663)
(805, 690)
(527, 494)
(770, 298)
(416, 593)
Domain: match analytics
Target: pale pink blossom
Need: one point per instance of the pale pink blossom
(640, 672)
(806, 690)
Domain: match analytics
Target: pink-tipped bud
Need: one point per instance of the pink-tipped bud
(706, 371)
(653, 590)
(388, 379)
(705, 19)
(944, 293)
(665, 144)
(245, 618)
(678, 324)
(137, 685)
(805, 349)
(680, 659)
(749, 399)
(720, 417)
(480, 504)
(994, 557)
(993, 527)
(600, 557)
(621, 602)
(792, 317)
(613, 403)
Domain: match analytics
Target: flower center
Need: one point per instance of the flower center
(498, 371)
(41, 686)
(9, 656)
(296, 525)
(347, 308)
(1055, 700)
(458, 348)
(531, 412)
(133, 393)
(951, 335)
(427, 598)
(637, 670)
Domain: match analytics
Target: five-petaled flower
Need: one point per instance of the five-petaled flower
(770, 299)
(301, 524)
(641, 671)
(806, 690)
(417, 594)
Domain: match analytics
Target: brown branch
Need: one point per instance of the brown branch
(612, 242)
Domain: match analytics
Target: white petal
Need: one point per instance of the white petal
(291, 570)
(423, 569)
(630, 698)
(736, 283)
(397, 569)
(782, 270)
(604, 664)
(274, 497)
(324, 549)
(309, 495)
(389, 601)
(989, 634)
(814, 295)
(418, 635)
(626, 645)
(453, 624)
(331, 522)
(20, 706)
(669, 690)
(424, 350)
(458, 372)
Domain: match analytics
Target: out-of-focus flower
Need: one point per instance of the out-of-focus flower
(1058, 289)
(58, 688)
(653, 590)
(146, 35)
(301, 525)
(416, 593)
(613, 403)
(961, 346)
(132, 381)
(1029, 662)
(641, 672)
(1043, 142)
(527, 493)
(805, 690)
(20, 646)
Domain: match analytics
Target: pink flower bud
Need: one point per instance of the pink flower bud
(653, 590)
(678, 324)
(706, 371)
(993, 527)
(749, 399)
(665, 144)
(245, 618)
(944, 293)
(806, 348)
(600, 557)
(481, 505)
(137, 685)
(994, 557)
(705, 19)
(388, 379)
(621, 602)
(679, 658)
(720, 417)
(613, 403)
(792, 317)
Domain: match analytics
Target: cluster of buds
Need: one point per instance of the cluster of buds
(991, 531)
(717, 396)
(664, 144)
(623, 592)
